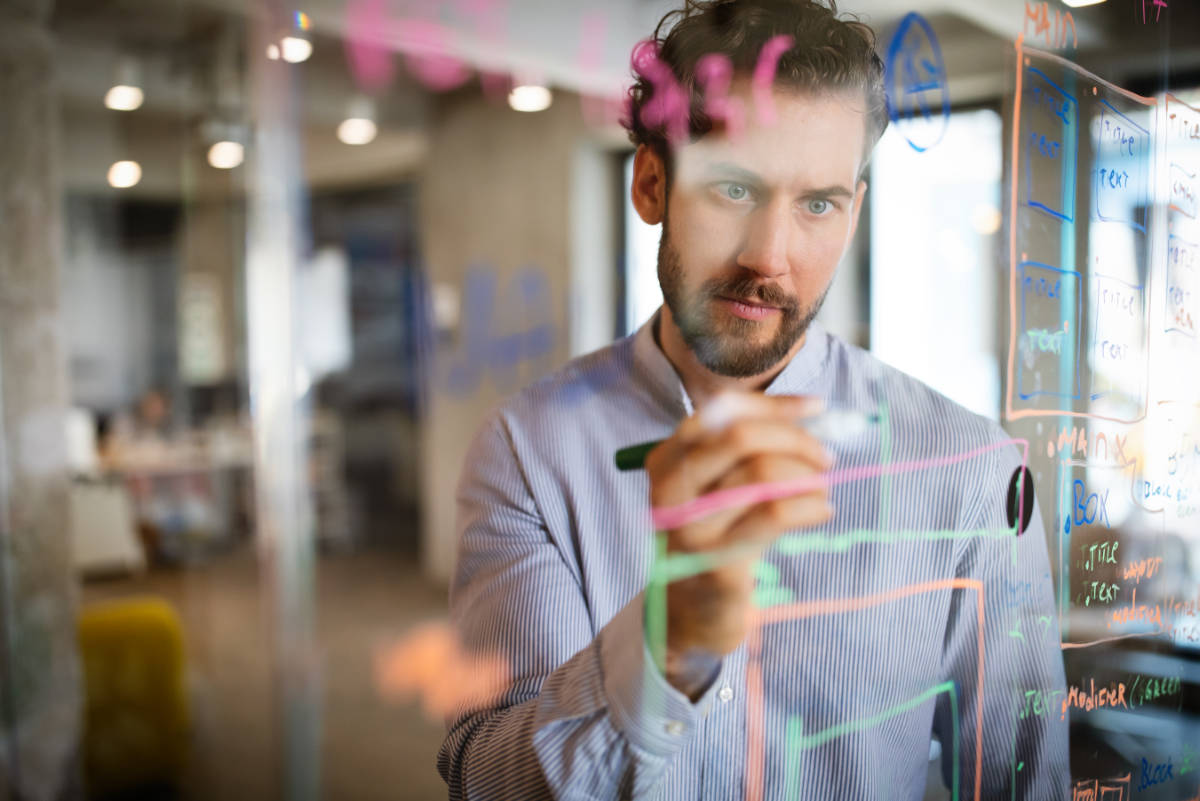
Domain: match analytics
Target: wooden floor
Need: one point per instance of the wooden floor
(370, 748)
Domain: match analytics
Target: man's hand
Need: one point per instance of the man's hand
(735, 441)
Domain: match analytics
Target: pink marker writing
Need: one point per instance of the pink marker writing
(669, 104)
(764, 76)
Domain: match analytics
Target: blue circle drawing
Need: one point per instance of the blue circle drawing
(916, 77)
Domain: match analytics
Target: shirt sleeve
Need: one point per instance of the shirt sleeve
(587, 714)
(1024, 749)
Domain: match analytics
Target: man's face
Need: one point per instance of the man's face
(755, 225)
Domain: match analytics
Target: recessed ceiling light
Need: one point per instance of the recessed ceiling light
(1081, 3)
(356, 131)
(295, 49)
(226, 155)
(124, 174)
(529, 97)
(273, 51)
(123, 97)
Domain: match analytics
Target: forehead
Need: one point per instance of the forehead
(816, 139)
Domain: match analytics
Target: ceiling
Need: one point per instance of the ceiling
(193, 56)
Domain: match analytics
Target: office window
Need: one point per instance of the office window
(935, 249)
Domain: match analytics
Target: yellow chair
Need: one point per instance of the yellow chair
(136, 725)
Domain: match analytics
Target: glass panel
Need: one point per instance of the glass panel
(935, 223)
(267, 273)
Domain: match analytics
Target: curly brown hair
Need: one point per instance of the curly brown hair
(827, 53)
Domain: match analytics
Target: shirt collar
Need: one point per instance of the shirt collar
(798, 377)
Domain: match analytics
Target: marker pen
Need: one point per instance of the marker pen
(831, 425)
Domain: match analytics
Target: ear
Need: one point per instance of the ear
(649, 190)
(859, 194)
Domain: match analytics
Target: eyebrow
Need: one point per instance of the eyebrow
(730, 170)
(831, 191)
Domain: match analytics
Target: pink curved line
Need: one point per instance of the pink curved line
(369, 59)
(669, 104)
(714, 71)
(764, 76)
(669, 517)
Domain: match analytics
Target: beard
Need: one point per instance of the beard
(727, 346)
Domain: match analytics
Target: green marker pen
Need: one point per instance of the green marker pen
(831, 425)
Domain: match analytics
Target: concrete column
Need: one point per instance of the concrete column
(40, 695)
(496, 230)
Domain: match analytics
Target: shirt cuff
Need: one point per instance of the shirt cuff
(645, 708)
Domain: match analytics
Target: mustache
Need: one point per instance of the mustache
(747, 288)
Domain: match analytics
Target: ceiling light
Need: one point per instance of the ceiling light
(359, 126)
(1081, 3)
(356, 131)
(273, 51)
(295, 49)
(126, 91)
(226, 154)
(123, 97)
(529, 97)
(124, 174)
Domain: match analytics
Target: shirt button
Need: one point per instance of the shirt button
(725, 694)
(674, 728)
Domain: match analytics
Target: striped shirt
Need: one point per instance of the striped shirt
(917, 612)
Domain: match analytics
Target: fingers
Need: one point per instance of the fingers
(697, 457)
(736, 441)
(727, 408)
(761, 523)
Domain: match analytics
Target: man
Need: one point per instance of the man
(835, 629)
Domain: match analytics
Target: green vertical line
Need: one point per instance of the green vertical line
(1020, 507)
(656, 604)
(954, 757)
(794, 737)
(1064, 549)
(1016, 723)
(885, 458)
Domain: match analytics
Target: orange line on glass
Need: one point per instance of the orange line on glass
(755, 755)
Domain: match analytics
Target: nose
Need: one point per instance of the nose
(765, 250)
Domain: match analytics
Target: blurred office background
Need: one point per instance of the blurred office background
(263, 268)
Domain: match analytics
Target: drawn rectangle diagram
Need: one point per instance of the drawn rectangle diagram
(1118, 338)
(797, 741)
(1183, 191)
(1121, 178)
(1095, 790)
(755, 747)
(1047, 337)
(1115, 789)
(1049, 151)
(1084, 790)
(1181, 276)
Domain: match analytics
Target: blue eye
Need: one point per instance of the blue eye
(736, 191)
(819, 206)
